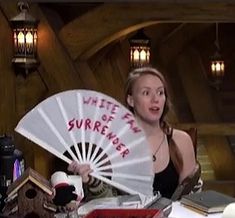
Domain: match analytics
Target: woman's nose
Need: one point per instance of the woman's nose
(155, 98)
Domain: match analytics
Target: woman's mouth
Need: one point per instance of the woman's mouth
(154, 109)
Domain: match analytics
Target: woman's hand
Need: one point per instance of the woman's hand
(82, 169)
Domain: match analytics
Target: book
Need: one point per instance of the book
(127, 200)
(209, 201)
(118, 202)
(137, 201)
(99, 203)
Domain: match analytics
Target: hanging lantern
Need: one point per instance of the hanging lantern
(25, 39)
(217, 66)
(139, 50)
(217, 69)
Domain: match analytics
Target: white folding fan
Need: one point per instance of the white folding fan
(91, 127)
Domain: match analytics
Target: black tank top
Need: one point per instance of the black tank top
(166, 181)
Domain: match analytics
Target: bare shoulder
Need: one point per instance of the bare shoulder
(182, 139)
(185, 145)
(180, 135)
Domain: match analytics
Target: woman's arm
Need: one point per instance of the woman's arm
(184, 143)
(97, 189)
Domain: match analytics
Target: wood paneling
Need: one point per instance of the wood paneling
(226, 187)
(89, 78)
(7, 79)
(91, 52)
(191, 72)
(57, 73)
(78, 38)
(180, 37)
(223, 129)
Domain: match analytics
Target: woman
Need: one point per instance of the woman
(172, 149)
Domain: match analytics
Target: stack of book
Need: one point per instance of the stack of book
(207, 202)
(125, 202)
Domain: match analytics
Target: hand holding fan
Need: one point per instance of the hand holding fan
(91, 127)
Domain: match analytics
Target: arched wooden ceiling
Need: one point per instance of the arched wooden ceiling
(78, 38)
(66, 56)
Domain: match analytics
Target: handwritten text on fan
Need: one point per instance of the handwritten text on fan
(111, 109)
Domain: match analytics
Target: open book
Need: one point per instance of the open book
(121, 201)
(207, 201)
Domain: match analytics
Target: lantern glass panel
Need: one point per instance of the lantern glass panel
(29, 38)
(136, 55)
(143, 55)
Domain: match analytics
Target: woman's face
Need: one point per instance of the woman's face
(148, 98)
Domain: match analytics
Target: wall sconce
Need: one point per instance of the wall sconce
(217, 66)
(139, 50)
(25, 39)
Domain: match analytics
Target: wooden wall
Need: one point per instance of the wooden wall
(91, 51)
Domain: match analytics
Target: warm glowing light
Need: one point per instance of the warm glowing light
(24, 27)
(222, 66)
(29, 38)
(143, 55)
(139, 50)
(148, 56)
(216, 72)
(35, 37)
(20, 38)
(136, 55)
(217, 68)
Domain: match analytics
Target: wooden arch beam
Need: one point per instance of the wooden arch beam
(80, 41)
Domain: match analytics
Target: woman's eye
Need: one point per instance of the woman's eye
(145, 92)
(161, 92)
